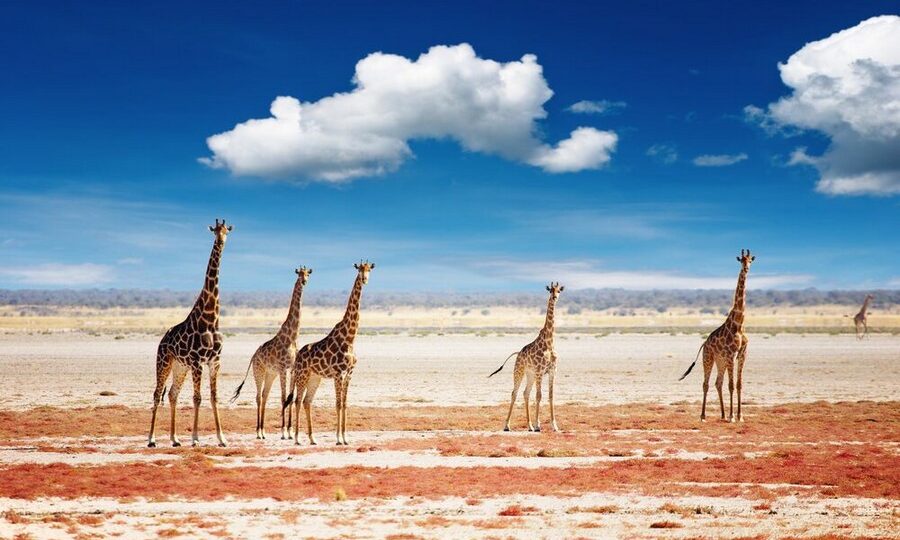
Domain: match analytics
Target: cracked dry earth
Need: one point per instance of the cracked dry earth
(807, 470)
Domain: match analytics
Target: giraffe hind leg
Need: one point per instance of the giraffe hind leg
(179, 372)
(707, 370)
(517, 381)
(163, 368)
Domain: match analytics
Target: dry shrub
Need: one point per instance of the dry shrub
(765, 507)
(14, 517)
(665, 525)
(472, 501)
(607, 509)
(290, 517)
(435, 521)
(168, 533)
(340, 494)
(497, 523)
(516, 510)
(589, 525)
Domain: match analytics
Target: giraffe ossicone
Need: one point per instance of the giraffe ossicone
(190, 345)
(533, 361)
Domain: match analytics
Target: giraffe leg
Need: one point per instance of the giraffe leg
(338, 402)
(537, 403)
(179, 373)
(517, 381)
(730, 372)
(865, 328)
(285, 422)
(267, 387)
(742, 356)
(259, 378)
(707, 370)
(720, 377)
(214, 401)
(550, 380)
(344, 388)
(311, 388)
(298, 380)
(163, 368)
(196, 374)
(529, 382)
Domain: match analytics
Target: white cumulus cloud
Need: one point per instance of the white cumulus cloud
(846, 86)
(446, 93)
(719, 160)
(59, 275)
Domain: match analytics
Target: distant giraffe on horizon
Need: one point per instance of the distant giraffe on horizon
(725, 344)
(330, 358)
(861, 319)
(275, 358)
(191, 344)
(533, 361)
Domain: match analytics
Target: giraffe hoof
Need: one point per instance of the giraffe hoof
(537, 429)
(223, 444)
(176, 444)
(151, 444)
(505, 428)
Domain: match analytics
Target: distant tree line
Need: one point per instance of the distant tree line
(574, 301)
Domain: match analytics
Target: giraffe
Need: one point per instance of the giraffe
(725, 344)
(533, 361)
(330, 358)
(861, 318)
(191, 344)
(275, 357)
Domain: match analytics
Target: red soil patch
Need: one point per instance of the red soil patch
(665, 525)
(870, 472)
(516, 510)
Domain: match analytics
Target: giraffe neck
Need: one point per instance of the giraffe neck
(206, 309)
(736, 315)
(349, 325)
(291, 326)
(865, 307)
(547, 330)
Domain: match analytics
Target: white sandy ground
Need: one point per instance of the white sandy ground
(453, 517)
(70, 370)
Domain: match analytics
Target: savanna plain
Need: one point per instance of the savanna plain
(817, 457)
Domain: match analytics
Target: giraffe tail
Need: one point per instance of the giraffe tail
(692, 363)
(503, 364)
(237, 392)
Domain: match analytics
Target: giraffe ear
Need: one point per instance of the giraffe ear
(738, 259)
(309, 270)
(562, 288)
(548, 287)
(372, 267)
(212, 229)
(356, 266)
(230, 227)
(753, 258)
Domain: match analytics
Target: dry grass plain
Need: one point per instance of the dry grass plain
(818, 457)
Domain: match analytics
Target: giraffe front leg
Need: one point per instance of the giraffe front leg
(707, 371)
(720, 378)
(345, 388)
(537, 403)
(742, 356)
(196, 373)
(214, 401)
(550, 384)
(338, 401)
(285, 421)
(731, 392)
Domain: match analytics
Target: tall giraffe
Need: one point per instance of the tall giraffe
(330, 358)
(191, 344)
(533, 361)
(275, 357)
(861, 318)
(725, 344)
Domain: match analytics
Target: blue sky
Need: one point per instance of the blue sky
(693, 147)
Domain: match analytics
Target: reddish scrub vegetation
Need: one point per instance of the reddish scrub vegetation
(869, 473)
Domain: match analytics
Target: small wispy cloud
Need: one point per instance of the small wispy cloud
(718, 160)
(589, 275)
(130, 261)
(59, 275)
(602, 106)
(664, 153)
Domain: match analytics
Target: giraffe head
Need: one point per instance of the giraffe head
(555, 289)
(746, 259)
(220, 230)
(303, 274)
(364, 268)
(870, 297)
